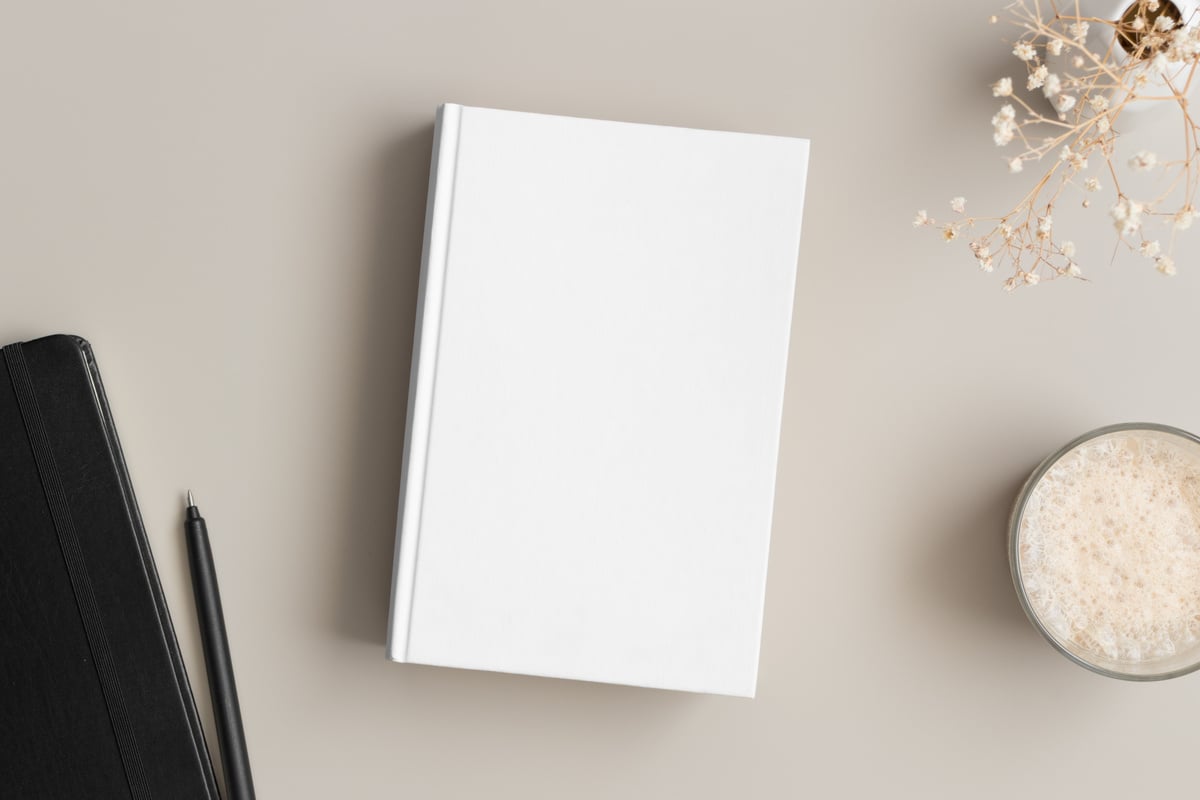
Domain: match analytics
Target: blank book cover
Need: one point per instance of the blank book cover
(595, 403)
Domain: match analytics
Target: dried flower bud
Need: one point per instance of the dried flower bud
(1043, 226)
(1126, 216)
(1004, 125)
(1063, 103)
(1143, 161)
(1037, 77)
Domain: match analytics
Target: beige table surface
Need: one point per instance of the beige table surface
(228, 198)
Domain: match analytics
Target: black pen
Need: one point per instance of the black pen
(230, 736)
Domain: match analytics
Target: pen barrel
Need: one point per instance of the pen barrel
(230, 734)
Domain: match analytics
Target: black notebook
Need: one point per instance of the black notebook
(94, 698)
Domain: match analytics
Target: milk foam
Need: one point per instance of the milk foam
(1110, 547)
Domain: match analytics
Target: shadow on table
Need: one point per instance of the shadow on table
(383, 355)
(967, 571)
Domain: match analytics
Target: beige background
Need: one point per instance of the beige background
(227, 199)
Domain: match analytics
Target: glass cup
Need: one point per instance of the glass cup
(1186, 658)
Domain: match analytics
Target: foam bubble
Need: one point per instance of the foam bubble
(1110, 547)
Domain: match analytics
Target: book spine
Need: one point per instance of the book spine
(438, 214)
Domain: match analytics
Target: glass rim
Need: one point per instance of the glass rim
(1014, 538)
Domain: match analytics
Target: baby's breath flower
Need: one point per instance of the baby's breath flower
(1143, 160)
(1037, 77)
(1185, 44)
(1073, 158)
(1165, 264)
(1126, 216)
(1030, 240)
(1004, 125)
(1152, 5)
(1043, 226)
(1063, 103)
(983, 256)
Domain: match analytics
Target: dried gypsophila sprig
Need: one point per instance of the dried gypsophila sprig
(1152, 56)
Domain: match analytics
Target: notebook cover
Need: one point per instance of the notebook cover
(595, 402)
(64, 731)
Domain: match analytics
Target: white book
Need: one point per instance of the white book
(595, 403)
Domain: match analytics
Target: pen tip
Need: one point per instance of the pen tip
(191, 500)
